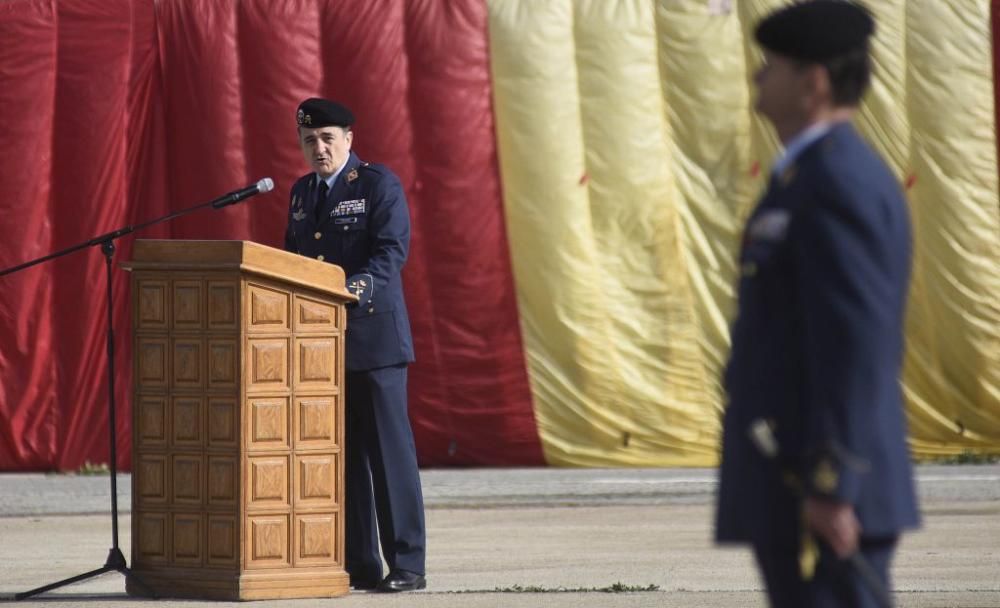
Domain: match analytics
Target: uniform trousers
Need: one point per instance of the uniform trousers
(382, 479)
(834, 584)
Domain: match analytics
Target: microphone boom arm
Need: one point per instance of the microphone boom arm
(264, 185)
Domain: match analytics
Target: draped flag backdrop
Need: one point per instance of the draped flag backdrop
(577, 172)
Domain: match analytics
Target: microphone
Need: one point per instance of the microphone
(264, 185)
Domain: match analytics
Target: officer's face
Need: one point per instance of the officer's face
(325, 148)
(782, 91)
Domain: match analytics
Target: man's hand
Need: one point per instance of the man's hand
(834, 523)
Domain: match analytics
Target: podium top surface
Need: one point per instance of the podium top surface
(245, 256)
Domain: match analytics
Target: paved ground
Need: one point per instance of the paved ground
(539, 537)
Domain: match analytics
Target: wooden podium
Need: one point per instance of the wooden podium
(237, 483)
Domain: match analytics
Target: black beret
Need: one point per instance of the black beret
(315, 113)
(816, 30)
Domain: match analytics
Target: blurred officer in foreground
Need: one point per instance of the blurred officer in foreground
(815, 465)
(354, 214)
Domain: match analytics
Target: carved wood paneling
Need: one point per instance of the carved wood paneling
(268, 545)
(313, 316)
(315, 422)
(223, 297)
(151, 305)
(187, 304)
(187, 363)
(268, 369)
(223, 471)
(153, 537)
(315, 540)
(268, 309)
(236, 459)
(269, 422)
(315, 363)
(223, 422)
(186, 473)
(151, 363)
(151, 471)
(151, 418)
(187, 535)
(269, 481)
(222, 537)
(187, 421)
(316, 481)
(223, 359)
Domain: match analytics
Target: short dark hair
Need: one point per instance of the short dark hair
(344, 129)
(850, 75)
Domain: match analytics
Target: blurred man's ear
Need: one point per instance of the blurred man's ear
(818, 82)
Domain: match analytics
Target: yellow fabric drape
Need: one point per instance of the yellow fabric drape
(952, 375)
(630, 156)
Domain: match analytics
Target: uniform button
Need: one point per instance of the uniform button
(345, 228)
(320, 257)
(318, 236)
(371, 310)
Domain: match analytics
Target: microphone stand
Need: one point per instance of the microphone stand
(116, 560)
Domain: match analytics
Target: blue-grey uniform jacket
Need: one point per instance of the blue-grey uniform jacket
(817, 347)
(363, 226)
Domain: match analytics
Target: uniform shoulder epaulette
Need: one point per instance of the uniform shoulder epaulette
(372, 167)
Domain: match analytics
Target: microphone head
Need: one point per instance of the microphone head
(265, 185)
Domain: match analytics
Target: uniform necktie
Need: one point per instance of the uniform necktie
(322, 191)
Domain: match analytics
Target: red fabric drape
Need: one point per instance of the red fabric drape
(88, 199)
(113, 112)
(462, 278)
(29, 393)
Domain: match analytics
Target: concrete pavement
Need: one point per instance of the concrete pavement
(535, 537)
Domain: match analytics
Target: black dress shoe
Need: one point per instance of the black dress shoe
(402, 580)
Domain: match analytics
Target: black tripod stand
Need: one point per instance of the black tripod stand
(116, 560)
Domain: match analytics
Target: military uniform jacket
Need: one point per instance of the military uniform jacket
(364, 227)
(817, 345)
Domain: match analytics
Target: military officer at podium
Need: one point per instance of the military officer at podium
(814, 435)
(354, 214)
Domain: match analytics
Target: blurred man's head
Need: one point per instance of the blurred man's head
(816, 62)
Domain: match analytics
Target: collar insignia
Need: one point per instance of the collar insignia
(788, 175)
